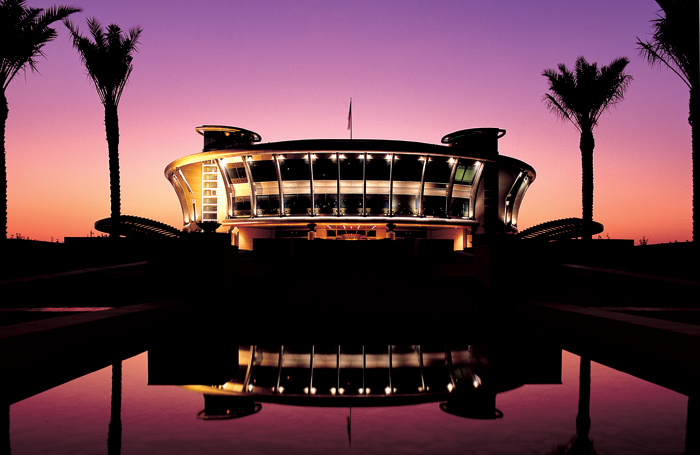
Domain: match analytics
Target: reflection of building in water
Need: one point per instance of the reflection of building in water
(350, 189)
(465, 378)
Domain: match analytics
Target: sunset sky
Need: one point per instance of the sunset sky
(416, 70)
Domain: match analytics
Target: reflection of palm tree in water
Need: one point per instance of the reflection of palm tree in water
(580, 444)
(114, 436)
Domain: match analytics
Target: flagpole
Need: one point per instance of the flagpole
(350, 118)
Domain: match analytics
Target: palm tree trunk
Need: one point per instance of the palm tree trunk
(4, 110)
(695, 142)
(112, 129)
(114, 434)
(587, 145)
(583, 418)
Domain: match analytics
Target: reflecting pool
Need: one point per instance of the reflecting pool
(628, 416)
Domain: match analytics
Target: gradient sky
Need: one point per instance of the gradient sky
(416, 70)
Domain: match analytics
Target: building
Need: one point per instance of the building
(350, 188)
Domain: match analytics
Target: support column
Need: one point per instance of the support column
(390, 234)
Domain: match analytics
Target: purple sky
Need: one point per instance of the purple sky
(416, 70)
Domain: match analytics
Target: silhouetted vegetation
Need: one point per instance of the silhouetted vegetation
(674, 44)
(581, 96)
(23, 33)
(108, 60)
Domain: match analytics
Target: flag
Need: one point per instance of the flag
(350, 116)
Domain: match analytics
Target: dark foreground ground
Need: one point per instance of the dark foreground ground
(627, 307)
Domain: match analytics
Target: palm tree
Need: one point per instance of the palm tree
(581, 96)
(23, 33)
(674, 44)
(108, 61)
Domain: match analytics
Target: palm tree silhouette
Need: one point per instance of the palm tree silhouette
(108, 61)
(581, 96)
(674, 44)
(23, 33)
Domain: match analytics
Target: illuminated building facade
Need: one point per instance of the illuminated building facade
(350, 189)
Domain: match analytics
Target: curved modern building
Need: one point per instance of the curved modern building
(350, 188)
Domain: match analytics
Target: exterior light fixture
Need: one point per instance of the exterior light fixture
(342, 157)
(341, 390)
(388, 157)
(306, 390)
(333, 391)
(476, 382)
(387, 390)
(313, 390)
(361, 390)
(250, 387)
(450, 387)
(280, 389)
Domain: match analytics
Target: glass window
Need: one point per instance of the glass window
(378, 167)
(268, 204)
(435, 206)
(465, 173)
(297, 204)
(209, 216)
(210, 200)
(351, 204)
(209, 184)
(326, 204)
(407, 168)
(351, 167)
(460, 207)
(377, 204)
(236, 172)
(438, 170)
(294, 168)
(405, 204)
(210, 169)
(241, 206)
(263, 171)
(325, 167)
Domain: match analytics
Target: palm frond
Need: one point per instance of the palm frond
(674, 41)
(107, 57)
(24, 31)
(581, 95)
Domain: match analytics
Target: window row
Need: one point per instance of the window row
(357, 166)
(352, 205)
